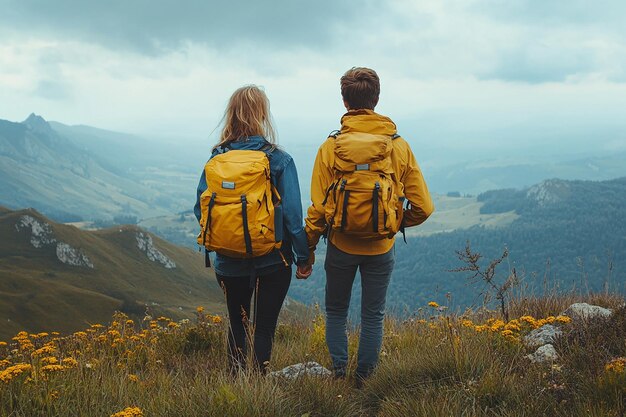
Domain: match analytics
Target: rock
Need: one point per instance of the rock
(144, 243)
(541, 336)
(545, 353)
(584, 311)
(41, 233)
(300, 369)
(71, 256)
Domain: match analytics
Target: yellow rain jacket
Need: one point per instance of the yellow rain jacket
(404, 165)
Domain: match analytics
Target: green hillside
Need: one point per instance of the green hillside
(564, 234)
(38, 292)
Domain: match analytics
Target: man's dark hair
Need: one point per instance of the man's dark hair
(360, 88)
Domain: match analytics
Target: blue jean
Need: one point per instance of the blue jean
(341, 270)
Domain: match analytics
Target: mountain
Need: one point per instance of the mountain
(559, 234)
(43, 169)
(57, 277)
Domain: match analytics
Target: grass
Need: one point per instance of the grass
(433, 365)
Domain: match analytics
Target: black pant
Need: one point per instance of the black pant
(271, 290)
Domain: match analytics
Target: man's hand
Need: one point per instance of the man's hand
(304, 271)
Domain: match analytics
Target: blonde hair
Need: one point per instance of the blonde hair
(247, 114)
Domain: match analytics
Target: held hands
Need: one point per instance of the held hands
(304, 270)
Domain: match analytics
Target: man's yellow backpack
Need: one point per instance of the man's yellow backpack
(238, 206)
(365, 198)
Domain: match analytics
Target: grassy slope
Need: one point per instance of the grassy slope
(454, 213)
(41, 293)
(435, 365)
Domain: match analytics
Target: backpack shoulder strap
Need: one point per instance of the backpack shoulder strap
(395, 136)
(334, 134)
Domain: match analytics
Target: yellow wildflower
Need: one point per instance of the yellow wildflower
(172, 325)
(4, 363)
(14, 371)
(433, 304)
(3, 344)
(50, 360)
(80, 335)
(51, 368)
(616, 365)
(563, 319)
(45, 350)
(129, 412)
(467, 323)
(69, 363)
(133, 377)
(217, 319)
(199, 310)
(497, 325)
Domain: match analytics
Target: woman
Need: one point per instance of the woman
(247, 126)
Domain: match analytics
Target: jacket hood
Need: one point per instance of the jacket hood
(367, 121)
(251, 143)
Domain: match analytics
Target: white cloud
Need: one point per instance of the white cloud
(470, 75)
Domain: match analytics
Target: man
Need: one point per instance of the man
(360, 220)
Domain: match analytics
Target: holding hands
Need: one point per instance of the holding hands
(304, 270)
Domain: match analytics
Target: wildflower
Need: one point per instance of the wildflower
(616, 365)
(563, 319)
(55, 333)
(497, 325)
(81, 335)
(14, 371)
(50, 360)
(467, 323)
(199, 310)
(217, 319)
(4, 363)
(48, 369)
(172, 325)
(43, 334)
(130, 323)
(45, 350)
(69, 363)
(3, 344)
(133, 378)
(433, 304)
(129, 412)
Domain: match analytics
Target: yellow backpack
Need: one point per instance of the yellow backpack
(238, 206)
(365, 198)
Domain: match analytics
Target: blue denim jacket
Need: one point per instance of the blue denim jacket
(285, 178)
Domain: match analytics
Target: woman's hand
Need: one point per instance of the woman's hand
(304, 271)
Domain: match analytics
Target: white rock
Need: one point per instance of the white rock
(144, 243)
(584, 311)
(300, 369)
(545, 353)
(41, 233)
(541, 336)
(71, 256)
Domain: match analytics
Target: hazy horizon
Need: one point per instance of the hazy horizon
(481, 79)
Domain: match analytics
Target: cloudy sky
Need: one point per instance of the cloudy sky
(463, 76)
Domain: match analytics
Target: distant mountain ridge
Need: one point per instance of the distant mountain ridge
(53, 275)
(43, 169)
